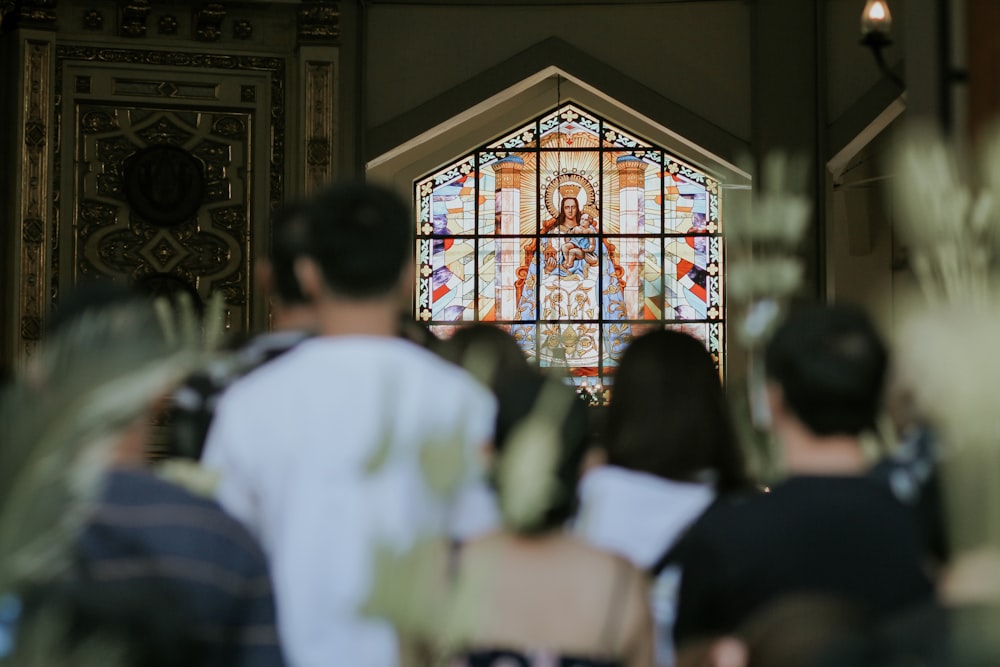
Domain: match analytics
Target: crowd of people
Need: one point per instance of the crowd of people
(370, 496)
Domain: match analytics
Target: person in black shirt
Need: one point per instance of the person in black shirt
(829, 528)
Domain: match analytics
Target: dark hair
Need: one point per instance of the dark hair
(149, 621)
(361, 237)
(830, 363)
(507, 358)
(90, 297)
(289, 240)
(516, 398)
(801, 629)
(669, 416)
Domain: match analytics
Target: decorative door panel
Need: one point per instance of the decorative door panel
(167, 175)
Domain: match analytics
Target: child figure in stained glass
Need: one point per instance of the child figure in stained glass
(578, 252)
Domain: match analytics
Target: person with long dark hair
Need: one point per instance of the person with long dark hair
(671, 451)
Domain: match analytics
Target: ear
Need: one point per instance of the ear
(310, 278)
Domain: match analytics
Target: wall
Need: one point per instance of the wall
(677, 50)
(672, 53)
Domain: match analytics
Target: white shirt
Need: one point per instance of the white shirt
(640, 517)
(297, 444)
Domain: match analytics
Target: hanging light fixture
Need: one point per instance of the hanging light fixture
(876, 34)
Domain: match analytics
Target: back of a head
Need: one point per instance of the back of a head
(520, 399)
(669, 416)
(114, 619)
(90, 297)
(289, 241)
(804, 630)
(830, 364)
(488, 352)
(361, 236)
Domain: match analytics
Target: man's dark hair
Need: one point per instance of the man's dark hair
(361, 236)
(289, 240)
(830, 363)
(669, 416)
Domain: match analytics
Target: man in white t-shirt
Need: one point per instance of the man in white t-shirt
(320, 451)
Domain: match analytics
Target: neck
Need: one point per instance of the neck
(130, 449)
(293, 318)
(809, 454)
(338, 316)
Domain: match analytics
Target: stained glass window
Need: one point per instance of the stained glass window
(575, 236)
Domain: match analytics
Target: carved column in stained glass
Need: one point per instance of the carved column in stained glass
(631, 179)
(508, 208)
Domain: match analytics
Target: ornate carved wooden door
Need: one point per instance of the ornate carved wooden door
(152, 144)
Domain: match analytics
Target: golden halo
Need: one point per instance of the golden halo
(553, 199)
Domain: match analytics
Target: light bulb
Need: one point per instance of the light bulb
(876, 18)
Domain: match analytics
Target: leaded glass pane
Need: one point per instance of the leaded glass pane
(616, 338)
(513, 191)
(489, 290)
(507, 284)
(686, 195)
(526, 336)
(487, 211)
(615, 137)
(448, 201)
(653, 192)
(570, 127)
(686, 278)
(634, 202)
(569, 346)
(452, 279)
(652, 285)
(634, 273)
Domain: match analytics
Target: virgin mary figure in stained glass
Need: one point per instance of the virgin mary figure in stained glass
(575, 273)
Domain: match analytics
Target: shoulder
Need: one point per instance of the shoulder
(445, 379)
(732, 508)
(141, 487)
(139, 500)
(269, 366)
(729, 519)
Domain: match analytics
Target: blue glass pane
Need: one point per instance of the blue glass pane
(686, 277)
(452, 279)
(686, 200)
